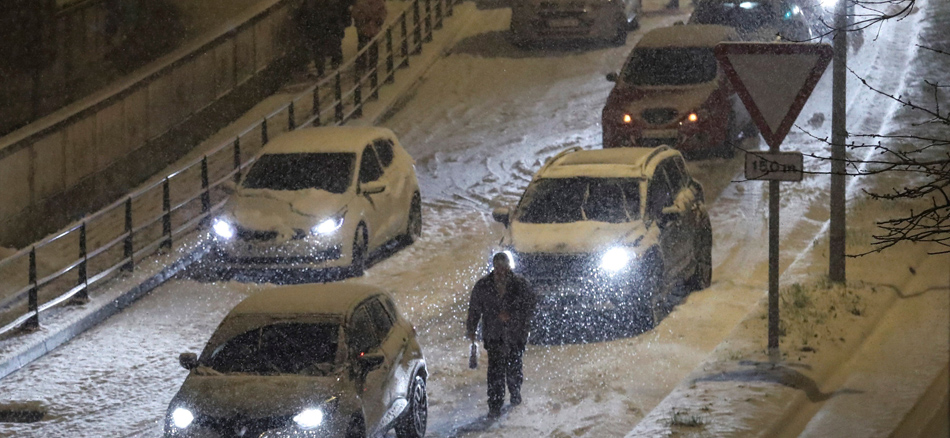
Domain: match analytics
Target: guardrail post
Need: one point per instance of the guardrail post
(291, 123)
(359, 67)
(316, 105)
(83, 295)
(264, 138)
(374, 60)
(237, 160)
(438, 13)
(390, 62)
(428, 21)
(449, 7)
(416, 27)
(33, 323)
(167, 215)
(127, 247)
(205, 191)
(405, 41)
(339, 97)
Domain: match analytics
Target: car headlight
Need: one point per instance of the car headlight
(329, 226)
(182, 418)
(223, 229)
(309, 418)
(616, 259)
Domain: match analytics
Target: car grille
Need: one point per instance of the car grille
(315, 257)
(255, 235)
(652, 142)
(241, 426)
(659, 116)
(544, 266)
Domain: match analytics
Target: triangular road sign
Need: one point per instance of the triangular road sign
(773, 80)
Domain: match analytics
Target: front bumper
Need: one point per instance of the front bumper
(575, 281)
(293, 254)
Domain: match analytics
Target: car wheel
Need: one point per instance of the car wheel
(356, 429)
(359, 252)
(702, 276)
(414, 222)
(412, 424)
(621, 37)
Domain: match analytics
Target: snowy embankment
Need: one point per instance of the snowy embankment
(867, 359)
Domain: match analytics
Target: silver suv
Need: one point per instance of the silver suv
(610, 229)
(305, 361)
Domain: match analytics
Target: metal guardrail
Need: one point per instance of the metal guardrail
(184, 199)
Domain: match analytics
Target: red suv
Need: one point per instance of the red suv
(672, 91)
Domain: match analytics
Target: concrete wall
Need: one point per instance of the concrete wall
(83, 156)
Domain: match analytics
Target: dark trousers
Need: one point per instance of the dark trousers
(504, 369)
(368, 60)
(323, 48)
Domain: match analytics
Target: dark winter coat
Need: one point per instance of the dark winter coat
(323, 20)
(485, 305)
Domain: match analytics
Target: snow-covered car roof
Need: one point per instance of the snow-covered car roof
(331, 299)
(604, 163)
(326, 139)
(688, 35)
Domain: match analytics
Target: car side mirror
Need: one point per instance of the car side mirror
(667, 215)
(373, 187)
(369, 362)
(612, 76)
(501, 215)
(188, 361)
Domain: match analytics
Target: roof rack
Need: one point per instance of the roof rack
(551, 160)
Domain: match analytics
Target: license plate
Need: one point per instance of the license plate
(564, 22)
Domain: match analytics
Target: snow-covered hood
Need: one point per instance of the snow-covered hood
(284, 210)
(684, 99)
(577, 237)
(256, 396)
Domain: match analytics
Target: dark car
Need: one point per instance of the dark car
(672, 91)
(757, 20)
(612, 229)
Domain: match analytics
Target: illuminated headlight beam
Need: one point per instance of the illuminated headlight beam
(223, 229)
(309, 418)
(329, 226)
(182, 418)
(615, 259)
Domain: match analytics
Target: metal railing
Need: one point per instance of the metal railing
(149, 219)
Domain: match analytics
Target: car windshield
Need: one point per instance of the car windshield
(330, 172)
(284, 348)
(563, 200)
(670, 66)
(745, 16)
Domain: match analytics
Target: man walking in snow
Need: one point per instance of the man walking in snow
(505, 303)
(368, 17)
(321, 23)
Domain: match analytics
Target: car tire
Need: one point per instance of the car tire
(414, 221)
(647, 294)
(360, 246)
(702, 276)
(412, 424)
(356, 428)
(621, 37)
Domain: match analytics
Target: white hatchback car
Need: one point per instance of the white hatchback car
(610, 229)
(320, 198)
(305, 361)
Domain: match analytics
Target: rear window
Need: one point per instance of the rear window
(330, 172)
(670, 66)
(285, 348)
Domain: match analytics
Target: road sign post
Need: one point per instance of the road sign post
(774, 81)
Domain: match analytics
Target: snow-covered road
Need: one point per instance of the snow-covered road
(479, 124)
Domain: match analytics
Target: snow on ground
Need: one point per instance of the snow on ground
(479, 124)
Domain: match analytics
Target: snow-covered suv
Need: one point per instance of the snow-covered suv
(305, 361)
(610, 228)
(534, 21)
(320, 199)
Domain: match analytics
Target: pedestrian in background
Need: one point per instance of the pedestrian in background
(322, 24)
(504, 303)
(369, 16)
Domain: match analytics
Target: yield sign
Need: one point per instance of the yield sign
(773, 80)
